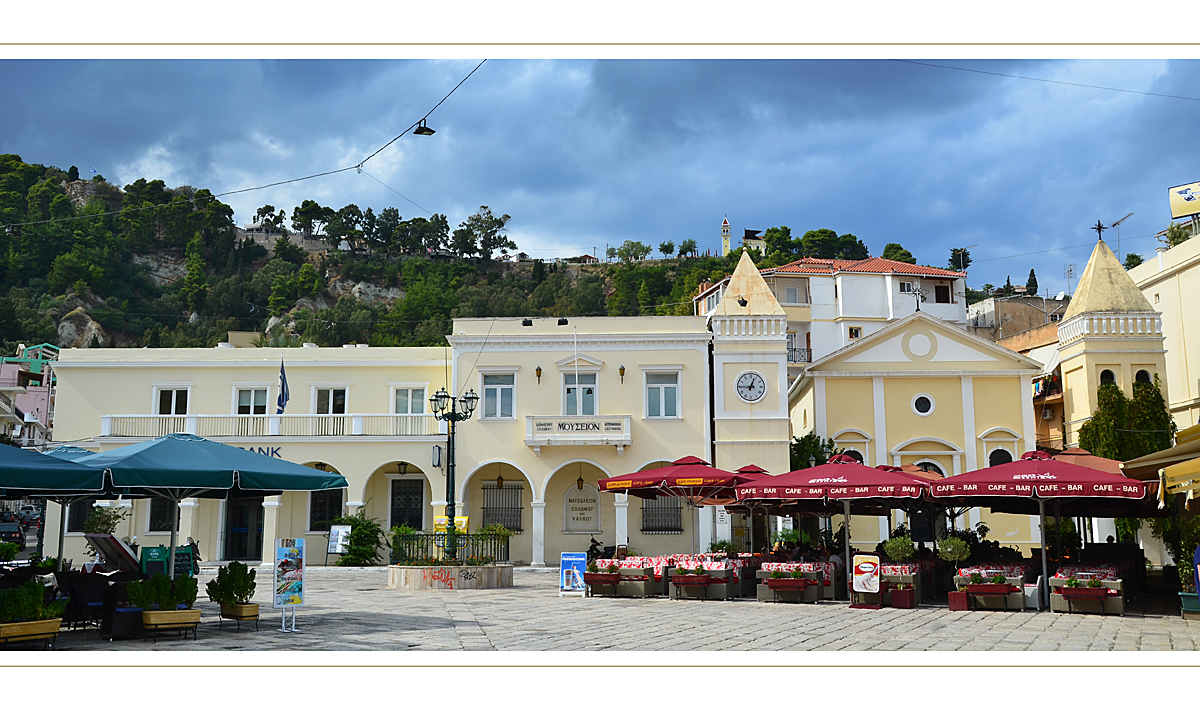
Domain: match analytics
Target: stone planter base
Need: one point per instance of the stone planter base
(416, 579)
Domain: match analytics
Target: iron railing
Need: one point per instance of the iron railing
(411, 548)
(799, 355)
(256, 425)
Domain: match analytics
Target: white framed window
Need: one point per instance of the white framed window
(579, 399)
(252, 401)
(907, 287)
(791, 294)
(329, 400)
(408, 400)
(499, 394)
(171, 399)
(323, 508)
(662, 395)
(854, 333)
(158, 518)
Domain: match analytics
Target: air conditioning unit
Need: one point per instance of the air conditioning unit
(1047, 414)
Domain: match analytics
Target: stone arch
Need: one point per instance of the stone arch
(565, 464)
(652, 463)
(950, 447)
(384, 500)
(482, 465)
(993, 459)
(1000, 433)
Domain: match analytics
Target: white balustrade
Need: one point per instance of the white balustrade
(258, 425)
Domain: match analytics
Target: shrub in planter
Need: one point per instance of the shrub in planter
(899, 548)
(952, 549)
(976, 578)
(233, 589)
(1095, 583)
(777, 574)
(797, 574)
(1072, 582)
(998, 579)
(159, 593)
(24, 614)
(593, 568)
(366, 537)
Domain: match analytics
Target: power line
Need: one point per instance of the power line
(193, 199)
(364, 172)
(1046, 81)
(1047, 251)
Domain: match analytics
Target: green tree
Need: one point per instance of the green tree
(195, 284)
(644, 299)
(308, 284)
(960, 260)
(666, 248)
(487, 232)
(1008, 287)
(895, 252)
(1176, 234)
(688, 246)
(289, 252)
(820, 244)
(805, 448)
(610, 253)
(1150, 425)
(633, 251)
(1133, 260)
(1100, 435)
(1031, 284)
(310, 217)
(73, 174)
(852, 248)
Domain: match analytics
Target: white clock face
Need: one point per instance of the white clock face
(751, 387)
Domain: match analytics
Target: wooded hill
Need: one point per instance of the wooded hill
(85, 263)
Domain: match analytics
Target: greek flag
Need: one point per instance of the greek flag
(284, 393)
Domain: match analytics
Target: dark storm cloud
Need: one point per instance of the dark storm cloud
(585, 154)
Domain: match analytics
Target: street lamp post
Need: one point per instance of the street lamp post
(453, 410)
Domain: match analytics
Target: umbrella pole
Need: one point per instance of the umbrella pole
(1043, 592)
(62, 533)
(174, 539)
(846, 515)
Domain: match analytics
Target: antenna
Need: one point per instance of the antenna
(1117, 224)
(1069, 273)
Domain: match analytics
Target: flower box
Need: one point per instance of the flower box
(691, 580)
(904, 598)
(165, 620)
(787, 582)
(1084, 592)
(601, 578)
(989, 589)
(958, 601)
(1189, 603)
(29, 630)
(239, 611)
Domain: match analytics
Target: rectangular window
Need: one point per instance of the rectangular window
(502, 506)
(855, 333)
(172, 401)
(331, 401)
(662, 394)
(410, 400)
(78, 514)
(791, 294)
(662, 516)
(498, 396)
(584, 394)
(907, 287)
(941, 294)
(252, 401)
(161, 511)
(323, 507)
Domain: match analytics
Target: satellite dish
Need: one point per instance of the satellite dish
(1060, 296)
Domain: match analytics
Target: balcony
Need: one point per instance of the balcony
(799, 355)
(578, 431)
(255, 425)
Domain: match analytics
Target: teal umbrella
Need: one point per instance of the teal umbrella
(179, 466)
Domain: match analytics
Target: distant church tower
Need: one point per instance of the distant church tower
(725, 237)
(1109, 333)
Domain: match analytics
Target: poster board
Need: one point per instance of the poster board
(289, 573)
(570, 573)
(866, 574)
(460, 523)
(339, 538)
(1184, 200)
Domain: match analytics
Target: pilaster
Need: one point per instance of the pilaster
(539, 533)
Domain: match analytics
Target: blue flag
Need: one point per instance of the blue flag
(284, 393)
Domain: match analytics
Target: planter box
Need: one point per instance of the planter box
(904, 598)
(419, 579)
(1084, 592)
(958, 601)
(601, 577)
(990, 588)
(1189, 605)
(787, 583)
(691, 580)
(166, 620)
(243, 612)
(16, 632)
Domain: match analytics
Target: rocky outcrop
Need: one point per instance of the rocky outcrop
(162, 269)
(368, 293)
(76, 329)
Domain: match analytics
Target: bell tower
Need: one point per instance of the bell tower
(1109, 333)
(725, 236)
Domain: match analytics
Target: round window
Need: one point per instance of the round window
(922, 404)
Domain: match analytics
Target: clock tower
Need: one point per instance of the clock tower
(749, 371)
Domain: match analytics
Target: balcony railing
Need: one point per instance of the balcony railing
(799, 355)
(255, 425)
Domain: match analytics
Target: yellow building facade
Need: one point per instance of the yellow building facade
(921, 391)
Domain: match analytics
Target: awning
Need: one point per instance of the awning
(1146, 468)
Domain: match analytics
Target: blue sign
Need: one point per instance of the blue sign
(1196, 569)
(570, 573)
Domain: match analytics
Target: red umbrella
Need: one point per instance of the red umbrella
(1037, 476)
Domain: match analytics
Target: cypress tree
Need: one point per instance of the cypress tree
(1100, 435)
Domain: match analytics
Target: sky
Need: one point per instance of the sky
(584, 154)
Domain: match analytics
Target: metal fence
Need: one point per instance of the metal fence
(409, 548)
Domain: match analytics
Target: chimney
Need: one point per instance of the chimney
(1161, 251)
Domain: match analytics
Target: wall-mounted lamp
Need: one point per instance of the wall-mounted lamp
(562, 321)
(320, 467)
(526, 322)
(621, 370)
(742, 301)
(403, 467)
(538, 372)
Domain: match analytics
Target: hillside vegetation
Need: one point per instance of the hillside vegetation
(85, 263)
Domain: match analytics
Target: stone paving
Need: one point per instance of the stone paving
(351, 610)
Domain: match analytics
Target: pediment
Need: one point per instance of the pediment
(586, 362)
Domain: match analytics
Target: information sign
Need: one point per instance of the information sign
(866, 574)
(289, 573)
(339, 537)
(570, 573)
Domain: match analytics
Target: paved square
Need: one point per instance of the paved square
(351, 610)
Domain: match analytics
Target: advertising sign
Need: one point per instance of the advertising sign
(289, 573)
(460, 523)
(570, 573)
(339, 537)
(1185, 200)
(866, 574)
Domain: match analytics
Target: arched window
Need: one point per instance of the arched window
(854, 455)
(1107, 377)
(1143, 376)
(999, 456)
(930, 466)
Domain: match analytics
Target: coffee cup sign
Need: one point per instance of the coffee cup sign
(866, 574)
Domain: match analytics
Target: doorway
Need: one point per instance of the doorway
(244, 529)
(408, 503)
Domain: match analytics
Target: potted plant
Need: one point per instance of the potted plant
(784, 580)
(690, 578)
(899, 549)
(232, 590)
(954, 550)
(166, 604)
(593, 575)
(24, 615)
(1077, 589)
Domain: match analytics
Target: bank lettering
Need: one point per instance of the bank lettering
(272, 451)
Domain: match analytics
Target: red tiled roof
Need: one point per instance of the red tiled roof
(873, 265)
